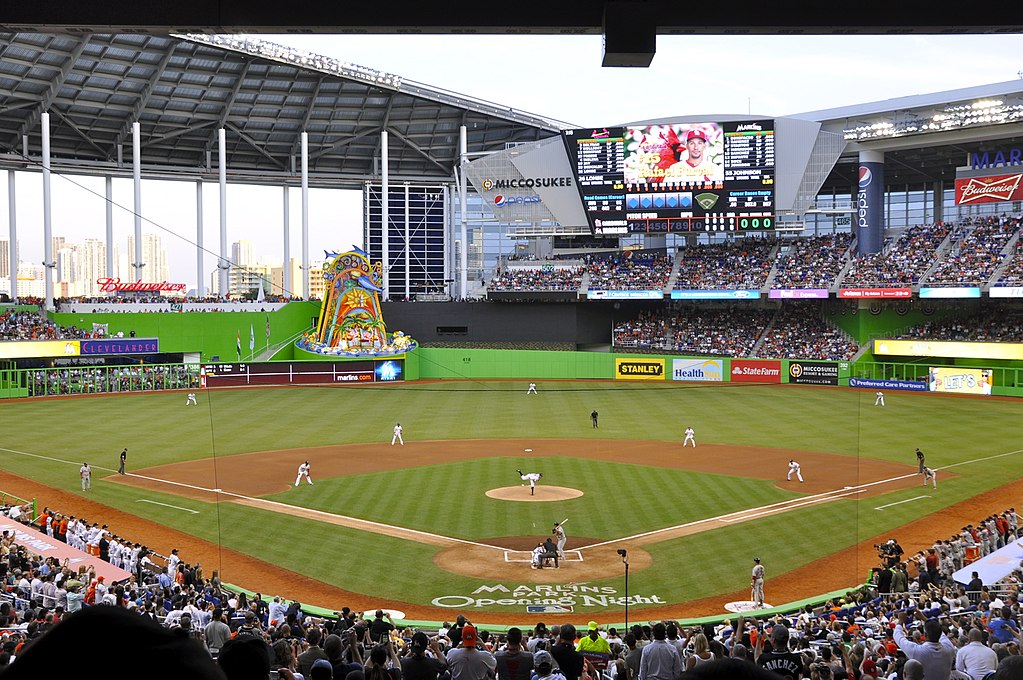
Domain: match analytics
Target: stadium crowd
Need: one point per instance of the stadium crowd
(743, 264)
(813, 262)
(976, 251)
(795, 330)
(629, 273)
(798, 331)
(909, 612)
(24, 325)
(996, 323)
(549, 278)
(902, 260)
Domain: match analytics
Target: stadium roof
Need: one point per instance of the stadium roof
(183, 89)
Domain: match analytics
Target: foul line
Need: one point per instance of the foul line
(738, 516)
(167, 505)
(908, 500)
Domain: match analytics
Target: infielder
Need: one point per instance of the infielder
(690, 437)
(532, 389)
(757, 583)
(397, 435)
(191, 399)
(532, 478)
(559, 536)
(794, 470)
(879, 401)
(303, 471)
(931, 476)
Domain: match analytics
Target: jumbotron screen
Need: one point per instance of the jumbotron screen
(676, 177)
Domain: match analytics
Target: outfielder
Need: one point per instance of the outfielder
(191, 399)
(397, 435)
(303, 471)
(879, 401)
(532, 389)
(757, 583)
(930, 475)
(794, 470)
(559, 536)
(690, 437)
(532, 478)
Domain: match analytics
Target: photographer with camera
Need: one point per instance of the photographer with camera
(890, 553)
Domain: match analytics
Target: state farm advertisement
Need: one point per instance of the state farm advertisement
(749, 370)
(990, 189)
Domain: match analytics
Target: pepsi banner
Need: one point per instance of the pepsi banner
(870, 207)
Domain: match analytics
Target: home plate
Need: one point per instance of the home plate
(744, 606)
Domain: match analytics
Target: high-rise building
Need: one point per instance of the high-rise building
(91, 263)
(241, 253)
(67, 264)
(5, 259)
(154, 257)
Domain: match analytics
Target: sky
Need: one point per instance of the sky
(559, 77)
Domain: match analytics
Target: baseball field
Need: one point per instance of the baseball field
(443, 524)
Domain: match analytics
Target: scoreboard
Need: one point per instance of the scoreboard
(674, 177)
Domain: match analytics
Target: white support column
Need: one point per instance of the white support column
(385, 216)
(224, 265)
(109, 191)
(12, 228)
(463, 255)
(408, 246)
(136, 175)
(287, 241)
(306, 278)
(48, 264)
(447, 239)
(200, 276)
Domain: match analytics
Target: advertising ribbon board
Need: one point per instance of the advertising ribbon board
(750, 370)
(813, 372)
(702, 370)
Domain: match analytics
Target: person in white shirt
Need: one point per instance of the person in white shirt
(191, 399)
(86, 474)
(397, 435)
(278, 612)
(976, 659)
(879, 401)
(930, 476)
(794, 470)
(172, 562)
(690, 437)
(532, 388)
(303, 471)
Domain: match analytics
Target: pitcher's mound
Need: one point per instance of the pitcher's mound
(540, 493)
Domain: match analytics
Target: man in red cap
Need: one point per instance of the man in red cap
(695, 165)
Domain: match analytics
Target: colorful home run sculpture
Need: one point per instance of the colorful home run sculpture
(350, 322)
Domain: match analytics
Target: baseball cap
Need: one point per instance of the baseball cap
(592, 625)
(696, 134)
(756, 559)
(321, 668)
(420, 641)
(469, 635)
(543, 657)
(870, 667)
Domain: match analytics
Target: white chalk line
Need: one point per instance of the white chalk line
(167, 505)
(740, 515)
(907, 500)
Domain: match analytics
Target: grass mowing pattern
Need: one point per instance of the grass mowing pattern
(621, 499)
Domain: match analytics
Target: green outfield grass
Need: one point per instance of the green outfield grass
(48, 440)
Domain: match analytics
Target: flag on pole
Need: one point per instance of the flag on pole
(238, 342)
(252, 338)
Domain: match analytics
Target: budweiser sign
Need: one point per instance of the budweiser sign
(108, 285)
(989, 189)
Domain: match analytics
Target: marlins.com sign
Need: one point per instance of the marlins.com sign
(639, 369)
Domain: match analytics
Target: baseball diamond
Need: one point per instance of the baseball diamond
(441, 511)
